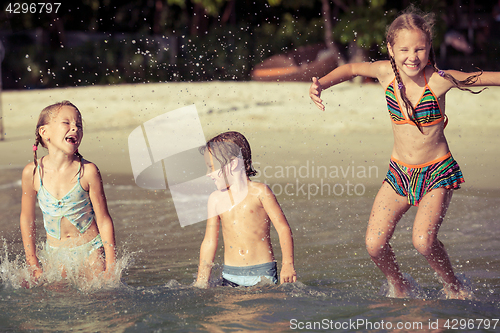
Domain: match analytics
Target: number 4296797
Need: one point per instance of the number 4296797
(470, 324)
(33, 8)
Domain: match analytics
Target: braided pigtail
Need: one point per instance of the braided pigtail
(43, 119)
(457, 83)
(38, 140)
(402, 91)
(35, 158)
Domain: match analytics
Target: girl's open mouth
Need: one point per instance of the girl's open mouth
(72, 140)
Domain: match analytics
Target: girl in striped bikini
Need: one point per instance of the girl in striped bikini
(422, 171)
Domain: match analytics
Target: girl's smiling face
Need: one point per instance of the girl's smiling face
(410, 51)
(64, 131)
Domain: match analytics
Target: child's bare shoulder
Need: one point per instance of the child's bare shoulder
(28, 169)
(89, 167)
(385, 71)
(218, 202)
(90, 175)
(29, 172)
(215, 196)
(259, 189)
(90, 171)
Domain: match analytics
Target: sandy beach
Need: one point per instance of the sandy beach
(282, 124)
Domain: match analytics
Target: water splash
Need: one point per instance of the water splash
(416, 292)
(15, 274)
(298, 289)
(466, 293)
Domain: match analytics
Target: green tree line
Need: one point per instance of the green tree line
(91, 42)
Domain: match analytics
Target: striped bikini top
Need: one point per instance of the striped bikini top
(75, 206)
(427, 111)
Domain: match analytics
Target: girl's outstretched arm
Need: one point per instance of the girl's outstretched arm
(275, 213)
(208, 246)
(377, 69)
(102, 216)
(27, 221)
(483, 79)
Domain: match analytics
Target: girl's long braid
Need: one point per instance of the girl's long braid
(38, 139)
(402, 91)
(457, 83)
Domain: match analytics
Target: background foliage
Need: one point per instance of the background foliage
(109, 41)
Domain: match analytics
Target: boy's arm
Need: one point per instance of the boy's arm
(102, 216)
(27, 221)
(208, 246)
(281, 225)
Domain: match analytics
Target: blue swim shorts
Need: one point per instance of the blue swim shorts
(248, 276)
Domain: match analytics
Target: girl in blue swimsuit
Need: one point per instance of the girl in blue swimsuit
(69, 191)
(422, 170)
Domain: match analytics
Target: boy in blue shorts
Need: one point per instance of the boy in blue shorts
(245, 210)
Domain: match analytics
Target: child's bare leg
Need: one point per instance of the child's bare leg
(431, 212)
(387, 210)
(97, 262)
(93, 265)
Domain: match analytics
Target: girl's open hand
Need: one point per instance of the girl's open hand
(315, 93)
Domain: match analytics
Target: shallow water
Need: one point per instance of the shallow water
(338, 286)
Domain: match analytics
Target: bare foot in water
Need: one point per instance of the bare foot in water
(403, 291)
(461, 292)
(405, 288)
(461, 289)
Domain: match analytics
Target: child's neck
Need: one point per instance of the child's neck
(59, 161)
(239, 183)
(238, 190)
(418, 80)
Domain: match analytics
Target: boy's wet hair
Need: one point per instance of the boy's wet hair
(230, 145)
(413, 18)
(43, 119)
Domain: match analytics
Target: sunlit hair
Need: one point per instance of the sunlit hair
(46, 115)
(414, 19)
(230, 145)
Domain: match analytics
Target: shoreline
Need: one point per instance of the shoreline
(282, 125)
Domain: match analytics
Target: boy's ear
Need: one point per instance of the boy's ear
(236, 163)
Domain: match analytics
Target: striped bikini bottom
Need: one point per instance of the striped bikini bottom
(414, 181)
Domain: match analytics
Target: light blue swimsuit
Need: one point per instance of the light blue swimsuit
(75, 206)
